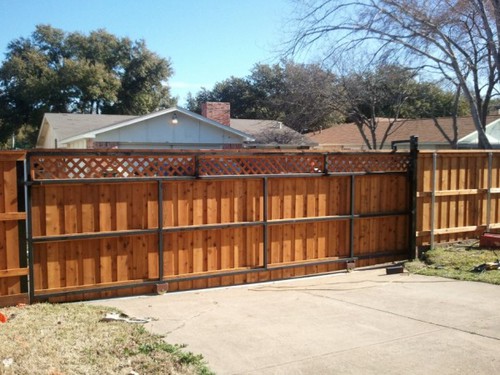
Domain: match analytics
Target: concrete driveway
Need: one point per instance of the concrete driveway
(364, 322)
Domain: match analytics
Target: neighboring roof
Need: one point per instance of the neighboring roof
(255, 126)
(71, 127)
(425, 129)
(68, 125)
(258, 129)
(492, 133)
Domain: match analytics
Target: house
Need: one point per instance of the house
(492, 131)
(264, 133)
(431, 136)
(173, 128)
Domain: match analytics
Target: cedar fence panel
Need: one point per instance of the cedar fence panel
(13, 270)
(458, 195)
(127, 220)
(105, 224)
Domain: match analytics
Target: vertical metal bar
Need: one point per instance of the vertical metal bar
(325, 166)
(21, 227)
(196, 166)
(160, 230)
(412, 230)
(351, 220)
(29, 228)
(433, 197)
(266, 227)
(488, 198)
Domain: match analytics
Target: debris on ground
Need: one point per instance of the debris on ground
(120, 317)
(487, 267)
(7, 362)
(3, 318)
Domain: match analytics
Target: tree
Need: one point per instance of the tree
(240, 92)
(299, 95)
(369, 97)
(307, 97)
(55, 71)
(457, 39)
(379, 100)
(280, 136)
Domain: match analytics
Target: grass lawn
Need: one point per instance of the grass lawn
(70, 339)
(457, 262)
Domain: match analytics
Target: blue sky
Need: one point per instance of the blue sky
(206, 40)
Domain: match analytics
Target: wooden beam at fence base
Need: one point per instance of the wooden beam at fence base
(471, 228)
(13, 272)
(14, 299)
(93, 288)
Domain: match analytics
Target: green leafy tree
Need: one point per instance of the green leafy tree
(240, 92)
(55, 71)
(299, 95)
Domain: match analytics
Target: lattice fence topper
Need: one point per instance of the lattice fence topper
(269, 164)
(64, 166)
(61, 167)
(368, 163)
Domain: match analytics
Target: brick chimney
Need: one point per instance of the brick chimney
(217, 111)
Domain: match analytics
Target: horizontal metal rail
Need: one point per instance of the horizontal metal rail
(111, 180)
(232, 152)
(188, 228)
(93, 235)
(97, 289)
(258, 269)
(214, 274)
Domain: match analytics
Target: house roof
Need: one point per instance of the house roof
(258, 127)
(347, 134)
(71, 127)
(68, 125)
(255, 126)
(492, 131)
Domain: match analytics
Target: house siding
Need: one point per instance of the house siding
(159, 132)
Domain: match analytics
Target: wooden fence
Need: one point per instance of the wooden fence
(105, 224)
(458, 195)
(13, 271)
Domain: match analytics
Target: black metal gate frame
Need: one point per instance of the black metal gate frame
(30, 241)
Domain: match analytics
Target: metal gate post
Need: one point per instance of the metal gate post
(351, 220)
(488, 192)
(160, 231)
(29, 228)
(413, 197)
(265, 231)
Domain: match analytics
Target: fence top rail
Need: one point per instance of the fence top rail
(228, 153)
(12, 155)
(458, 152)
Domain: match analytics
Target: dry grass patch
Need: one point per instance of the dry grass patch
(457, 262)
(70, 339)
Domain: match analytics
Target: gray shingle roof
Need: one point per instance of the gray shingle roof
(68, 125)
(254, 126)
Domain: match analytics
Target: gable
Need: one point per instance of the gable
(155, 127)
(159, 129)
